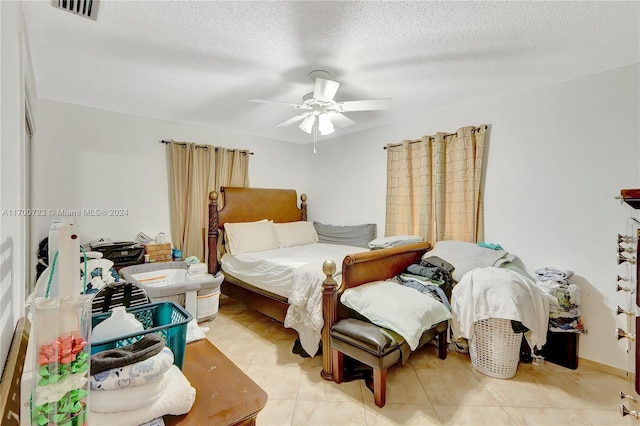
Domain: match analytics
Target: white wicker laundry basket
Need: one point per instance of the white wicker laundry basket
(495, 348)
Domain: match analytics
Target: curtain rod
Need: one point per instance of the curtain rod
(446, 134)
(205, 147)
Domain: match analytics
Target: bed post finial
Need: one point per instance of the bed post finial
(329, 311)
(303, 207)
(212, 235)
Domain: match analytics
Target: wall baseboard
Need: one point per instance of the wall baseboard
(605, 368)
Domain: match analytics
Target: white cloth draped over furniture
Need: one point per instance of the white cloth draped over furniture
(499, 293)
(305, 306)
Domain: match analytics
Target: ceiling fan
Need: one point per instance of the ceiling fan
(322, 110)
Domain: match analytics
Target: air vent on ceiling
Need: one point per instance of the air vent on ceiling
(86, 8)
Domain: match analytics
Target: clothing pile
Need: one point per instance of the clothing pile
(137, 383)
(432, 276)
(564, 311)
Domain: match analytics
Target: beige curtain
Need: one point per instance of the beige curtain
(409, 189)
(194, 171)
(434, 186)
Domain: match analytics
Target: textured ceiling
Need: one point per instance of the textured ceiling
(201, 62)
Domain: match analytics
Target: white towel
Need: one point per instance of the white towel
(125, 399)
(178, 398)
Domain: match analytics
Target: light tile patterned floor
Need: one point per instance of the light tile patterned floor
(426, 391)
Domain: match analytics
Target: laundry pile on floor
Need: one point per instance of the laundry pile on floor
(137, 383)
(564, 310)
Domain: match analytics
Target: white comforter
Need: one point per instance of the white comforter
(499, 293)
(295, 273)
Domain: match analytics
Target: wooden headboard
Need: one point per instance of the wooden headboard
(249, 205)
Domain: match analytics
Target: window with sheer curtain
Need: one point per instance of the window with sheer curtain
(195, 171)
(434, 186)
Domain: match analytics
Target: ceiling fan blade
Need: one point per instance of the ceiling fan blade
(294, 119)
(365, 105)
(263, 101)
(325, 89)
(340, 120)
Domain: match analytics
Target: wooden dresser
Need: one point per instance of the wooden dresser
(224, 394)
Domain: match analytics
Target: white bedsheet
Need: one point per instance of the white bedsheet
(272, 270)
(294, 273)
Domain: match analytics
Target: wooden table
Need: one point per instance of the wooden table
(224, 394)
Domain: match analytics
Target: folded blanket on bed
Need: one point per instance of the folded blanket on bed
(178, 398)
(394, 241)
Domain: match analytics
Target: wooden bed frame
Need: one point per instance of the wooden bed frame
(280, 205)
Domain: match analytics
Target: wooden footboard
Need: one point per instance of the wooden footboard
(358, 269)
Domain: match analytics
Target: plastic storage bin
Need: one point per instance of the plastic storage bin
(164, 318)
(208, 302)
(172, 281)
(495, 348)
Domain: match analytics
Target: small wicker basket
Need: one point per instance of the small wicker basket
(495, 348)
(158, 252)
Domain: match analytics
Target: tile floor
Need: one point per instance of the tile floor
(426, 391)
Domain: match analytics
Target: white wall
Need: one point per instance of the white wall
(89, 158)
(557, 156)
(16, 78)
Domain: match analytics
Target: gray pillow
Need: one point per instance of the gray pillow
(350, 235)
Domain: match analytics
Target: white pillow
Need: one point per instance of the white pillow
(296, 233)
(226, 236)
(465, 256)
(396, 307)
(246, 237)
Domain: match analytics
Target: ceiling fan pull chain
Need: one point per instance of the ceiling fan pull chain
(315, 138)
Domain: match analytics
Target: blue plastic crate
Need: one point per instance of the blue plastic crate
(166, 319)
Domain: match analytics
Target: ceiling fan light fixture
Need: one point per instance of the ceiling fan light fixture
(322, 110)
(307, 124)
(325, 126)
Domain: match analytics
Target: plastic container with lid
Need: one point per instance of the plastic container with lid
(120, 323)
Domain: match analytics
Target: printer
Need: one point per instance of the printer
(122, 253)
